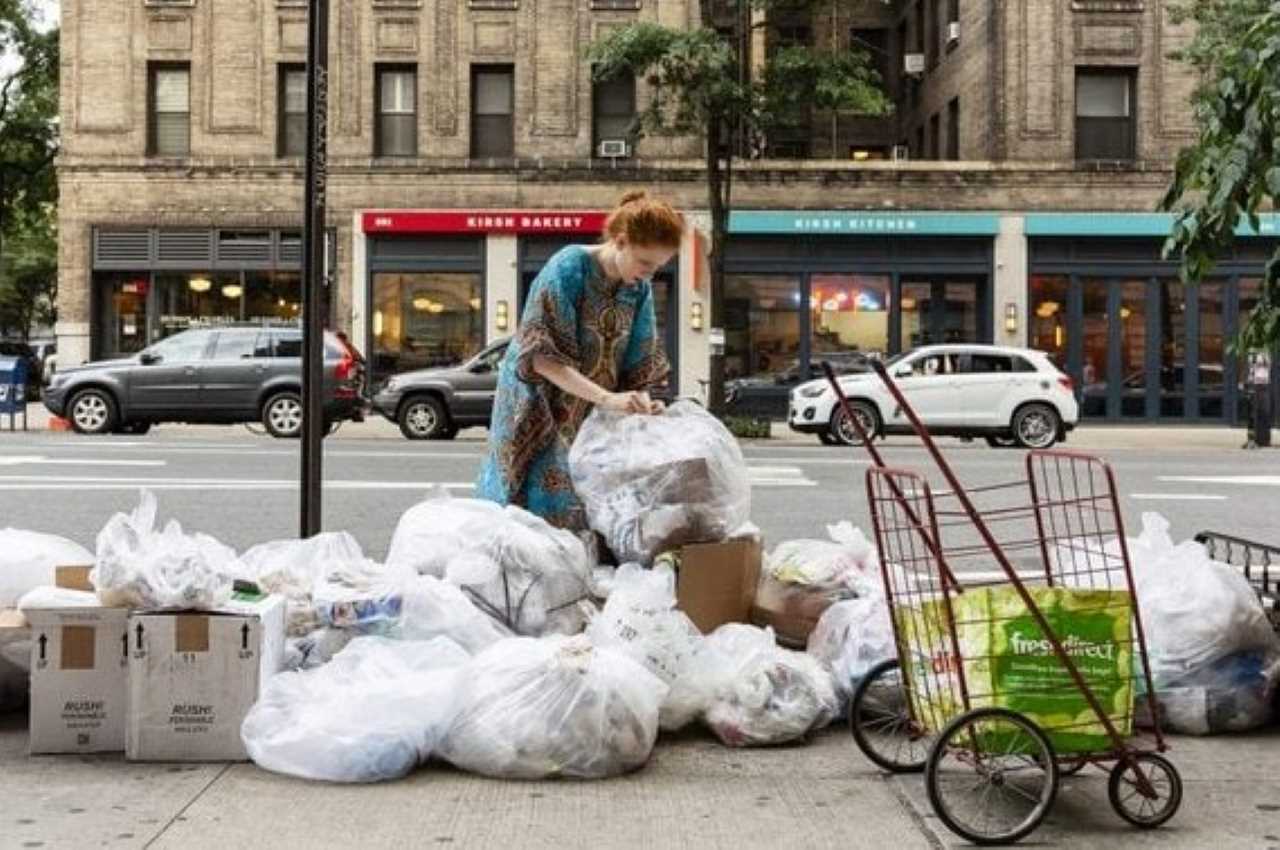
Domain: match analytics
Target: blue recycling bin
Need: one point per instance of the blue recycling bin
(13, 389)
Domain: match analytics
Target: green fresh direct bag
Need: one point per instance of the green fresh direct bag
(1008, 662)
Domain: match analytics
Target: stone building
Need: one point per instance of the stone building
(1009, 198)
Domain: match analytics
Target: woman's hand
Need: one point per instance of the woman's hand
(627, 403)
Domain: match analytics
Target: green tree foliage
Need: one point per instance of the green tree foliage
(1232, 172)
(698, 87)
(29, 274)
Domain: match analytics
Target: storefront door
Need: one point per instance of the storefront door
(934, 311)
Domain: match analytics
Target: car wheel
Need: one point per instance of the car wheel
(843, 430)
(425, 418)
(1035, 426)
(826, 439)
(1001, 442)
(92, 412)
(282, 415)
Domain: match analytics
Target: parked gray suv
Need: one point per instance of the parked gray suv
(433, 404)
(224, 375)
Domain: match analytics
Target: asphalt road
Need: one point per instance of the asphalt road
(242, 489)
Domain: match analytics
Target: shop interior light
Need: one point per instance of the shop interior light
(1046, 309)
(908, 303)
(233, 291)
(502, 315)
(476, 304)
(695, 316)
(422, 304)
(281, 302)
(200, 284)
(377, 323)
(435, 308)
(1058, 336)
(1125, 313)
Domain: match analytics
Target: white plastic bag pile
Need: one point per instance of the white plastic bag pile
(640, 620)
(1214, 657)
(653, 483)
(138, 566)
(553, 707)
(375, 712)
(531, 578)
(852, 637)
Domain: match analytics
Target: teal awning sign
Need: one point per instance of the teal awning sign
(1128, 224)
(854, 223)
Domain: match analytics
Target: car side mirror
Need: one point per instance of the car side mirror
(147, 358)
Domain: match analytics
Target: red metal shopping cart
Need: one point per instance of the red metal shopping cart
(1021, 652)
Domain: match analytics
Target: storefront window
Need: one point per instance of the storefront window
(272, 297)
(425, 319)
(917, 303)
(762, 327)
(1212, 348)
(1133, 348)
(849, 315)
(196, 300)
(1048, 316)
(1173, 347)
(122, 312)
(1093, 367)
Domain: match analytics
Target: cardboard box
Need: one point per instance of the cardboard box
(716, 582)
(194, 675)
(791, 610)
(15, 659)
(79, 667)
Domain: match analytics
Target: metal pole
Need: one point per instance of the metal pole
(313, 283)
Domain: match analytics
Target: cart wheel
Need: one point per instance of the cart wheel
(881, 722)
(1130, 803)
(992, 776)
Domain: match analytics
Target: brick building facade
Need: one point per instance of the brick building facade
(181, 185)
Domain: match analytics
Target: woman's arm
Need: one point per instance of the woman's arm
(570, 380)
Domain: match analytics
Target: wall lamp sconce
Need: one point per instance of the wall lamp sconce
(695, 317)
(1011, 318)
(502, 316)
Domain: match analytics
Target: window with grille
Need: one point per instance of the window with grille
(396, 133)
(613, 110)
(169, 93)
(493, 112)
(293, 110)
(1105, 126)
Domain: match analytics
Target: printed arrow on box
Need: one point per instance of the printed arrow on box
(244, 636)
(139, 630)
(43, 640)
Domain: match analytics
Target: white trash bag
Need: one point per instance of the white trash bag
(138, 566)
(529, 576)
(640, 620)
(653, 483)
(845, 562)
(852, 637)
(28, 560)
(1236, 693)
(750, 692)
(292, 568)
(374, 713)
(434, 608)
(553, 707)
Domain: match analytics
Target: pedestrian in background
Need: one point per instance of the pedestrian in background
(588, 338)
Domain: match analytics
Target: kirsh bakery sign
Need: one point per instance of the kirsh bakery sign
(484, 221)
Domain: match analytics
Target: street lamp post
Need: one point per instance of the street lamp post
(313, 282)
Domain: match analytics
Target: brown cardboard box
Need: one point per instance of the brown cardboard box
(792, 610)
(716, 582)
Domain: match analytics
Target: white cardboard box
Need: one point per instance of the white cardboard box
(78, 679)
(194, 675)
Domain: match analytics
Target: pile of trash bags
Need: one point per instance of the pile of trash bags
(852, 637)
(654, 483)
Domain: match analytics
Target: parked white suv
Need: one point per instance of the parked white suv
(1007, 395)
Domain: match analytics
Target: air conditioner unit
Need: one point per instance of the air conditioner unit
(953, 32)
(901, 153)
(615, 148)
(913, 63)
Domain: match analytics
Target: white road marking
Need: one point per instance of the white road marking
(41, 460)
(1178, 497)
(1244, 480)
(778, 476)
(27, 482)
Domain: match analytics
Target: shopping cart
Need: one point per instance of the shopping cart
(1258, 562)
(1021, 652)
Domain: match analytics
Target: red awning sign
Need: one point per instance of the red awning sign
(484, 221)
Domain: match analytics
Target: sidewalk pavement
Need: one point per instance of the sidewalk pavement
(1091, 437)
(694, 793)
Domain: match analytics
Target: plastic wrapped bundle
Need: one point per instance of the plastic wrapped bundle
(527, 575)
(316, 648)
(374, 713)
(140, 567)
(28, 560)
(554, 707)
(1236, 693)
(750, 692)
(852, 637)
(640, 619)
(653, 483)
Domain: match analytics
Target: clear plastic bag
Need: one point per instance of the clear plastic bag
(140, 567)
(845, 562)
(316, 648)
(434, 608)
(527, 575)
(653, 483)
(640, 620)
(1236, 693)
(750, 692)
(852, 637)
(554, 707)
(28, 560)
(374, 713)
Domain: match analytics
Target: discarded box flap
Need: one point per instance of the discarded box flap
(716, 582)
(74, 577)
